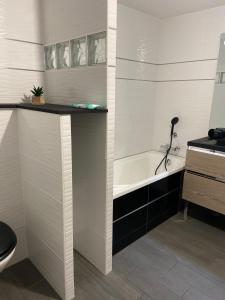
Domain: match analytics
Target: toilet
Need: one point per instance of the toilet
(8, 243)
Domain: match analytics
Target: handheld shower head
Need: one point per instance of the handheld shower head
(174, 121)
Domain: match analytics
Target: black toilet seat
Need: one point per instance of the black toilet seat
(8, 240)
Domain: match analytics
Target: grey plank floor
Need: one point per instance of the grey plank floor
(177, 260)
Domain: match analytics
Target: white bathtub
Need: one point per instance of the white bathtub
(134, 172)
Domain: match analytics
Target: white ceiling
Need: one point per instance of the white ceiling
(169, 8)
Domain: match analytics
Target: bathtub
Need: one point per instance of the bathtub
(134, 172)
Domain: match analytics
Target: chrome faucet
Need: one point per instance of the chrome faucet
(166, 147)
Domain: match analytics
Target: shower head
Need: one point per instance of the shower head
(174, 121)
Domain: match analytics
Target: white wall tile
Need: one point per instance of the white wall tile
(44, 217)
(198, 70)
(134, 117)
(77, 18)
(67, 184)
(191, 102)
(23, 20)
(192, 36)
(111, 83)
(112, 13)
(45, 139)
(20, 83)
(2, 32)
(186, 38)
(77, 85)
(42, 142)
(138, 41)
(50, 265)
(21, 251)
(135, 70)
(137, 35)
(89, 170)
(40, 171)
(111, 48)
(82, 85)
(110, 127)
(23, 55)
(11, 208)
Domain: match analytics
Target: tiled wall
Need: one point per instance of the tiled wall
(23, 41)
(46, 172)
(176, 77)
(188, 50)
(34, 145)
(77, 19)
(110, 140)
(92, 135)
(11, 207)
(18, 41)
(137, 50)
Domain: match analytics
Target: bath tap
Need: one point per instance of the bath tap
(174, 149)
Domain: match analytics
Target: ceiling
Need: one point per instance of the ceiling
(170, 8)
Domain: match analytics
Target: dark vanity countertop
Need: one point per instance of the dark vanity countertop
(53, 108)
(207, 143)
(8, 105)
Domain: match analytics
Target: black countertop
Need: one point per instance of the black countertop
(8, 105)
(53, 108)
(206, 143)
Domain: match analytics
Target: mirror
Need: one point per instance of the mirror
(217, 118)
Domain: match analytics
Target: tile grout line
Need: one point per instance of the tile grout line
(23, 69)
(168, 63)
(24, 41)
(161, 81)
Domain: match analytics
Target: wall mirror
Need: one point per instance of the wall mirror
(217, 118)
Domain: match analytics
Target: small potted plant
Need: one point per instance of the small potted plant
(37, 98)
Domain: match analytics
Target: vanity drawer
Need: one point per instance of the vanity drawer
(204, 192)
(204, 163)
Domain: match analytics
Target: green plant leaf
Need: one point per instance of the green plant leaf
(37, 91)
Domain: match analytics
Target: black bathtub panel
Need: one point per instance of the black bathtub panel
(158, 202)
(162, 209)
(129, 202)
(129, 224)
(129, 239)
(165, 185)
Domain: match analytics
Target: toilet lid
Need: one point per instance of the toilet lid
(8, 240)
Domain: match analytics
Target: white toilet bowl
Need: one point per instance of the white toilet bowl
(8, 243)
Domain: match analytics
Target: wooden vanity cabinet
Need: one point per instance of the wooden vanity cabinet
(204, 180)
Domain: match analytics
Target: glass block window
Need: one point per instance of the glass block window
(50, 57)
(97, 48)
(78, 52)
(63, 55)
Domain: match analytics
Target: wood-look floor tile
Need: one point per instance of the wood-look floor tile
(193, 294)
(177, 260)
(8, 290)
(40, 291)
(24, 274)
(98, 286)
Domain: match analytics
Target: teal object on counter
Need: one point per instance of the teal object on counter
(88, 106)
